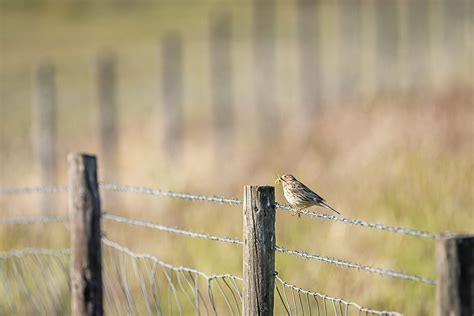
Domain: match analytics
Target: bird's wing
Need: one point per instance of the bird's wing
(310, 192)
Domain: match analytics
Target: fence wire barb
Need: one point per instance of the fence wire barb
(302, 254)
(23, 220)
(298, 306)
(218, 199)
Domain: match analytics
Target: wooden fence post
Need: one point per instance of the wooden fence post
(455, 268)
(264, 16)
(107, 97)
(44, 133)
(259, 250)
(172, 90)
(310, 59)
(221, 71)
(84, 213)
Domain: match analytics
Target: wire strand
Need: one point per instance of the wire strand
(169, 229)
(357, 266)
(357, 222)
(177, 195)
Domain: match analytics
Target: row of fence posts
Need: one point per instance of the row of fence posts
(386, 15)
(454, 253)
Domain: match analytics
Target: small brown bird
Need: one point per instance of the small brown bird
(299, 195)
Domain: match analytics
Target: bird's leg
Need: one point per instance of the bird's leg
(296, 211)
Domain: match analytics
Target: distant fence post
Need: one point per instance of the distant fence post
(44, 132)
(259, 250)
(107, 97)
(221, 71)
(264, 16)
(86, 257)
(172, 90)
(455, 268)
(310, 59)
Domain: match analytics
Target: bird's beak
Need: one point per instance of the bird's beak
(278, 180)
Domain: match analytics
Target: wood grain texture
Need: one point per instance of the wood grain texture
(455, 268)
(259, 250)
(86, 257)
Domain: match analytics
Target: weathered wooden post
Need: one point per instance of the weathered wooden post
(221, 78)
(259, 250)
(172, 90)
(310, 59)
(264, 17)
(107, 97)
(44, 132)
(455, 269)
(387, 45)
(86, 257)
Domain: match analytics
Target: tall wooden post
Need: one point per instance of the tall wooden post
(310, 59)
(84, 213)
(221, 71)
(172, 89)
(259, 250)
(455, 268)
(107, 95)
(264, 16)
(44, 133)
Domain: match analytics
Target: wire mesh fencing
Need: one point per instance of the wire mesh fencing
(298, 301)
(139, 284)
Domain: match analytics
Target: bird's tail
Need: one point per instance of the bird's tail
(328, 207)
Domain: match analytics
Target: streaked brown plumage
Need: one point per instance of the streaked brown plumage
(299, 195)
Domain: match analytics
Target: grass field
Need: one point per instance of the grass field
(402, 159)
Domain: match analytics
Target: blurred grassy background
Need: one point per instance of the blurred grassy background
(391, 142)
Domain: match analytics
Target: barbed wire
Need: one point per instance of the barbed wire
(23, 220)
(310, 302)
(302, 254)
(177, 195)
(358, 222)
(122, 219)
(219, 199)
(357, 266)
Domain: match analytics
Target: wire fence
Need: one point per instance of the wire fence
(192, 234)
(142, 284)
(217, 199)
